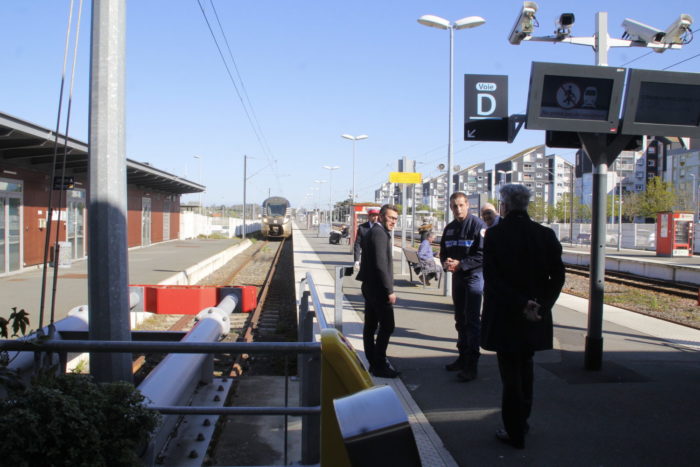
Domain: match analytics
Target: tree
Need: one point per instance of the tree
(659, 196)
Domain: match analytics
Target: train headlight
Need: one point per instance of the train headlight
(264, 220)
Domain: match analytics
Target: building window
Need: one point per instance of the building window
(527, 167)
(651, 163)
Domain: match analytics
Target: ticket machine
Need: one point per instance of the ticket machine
(674, 233)
(359, 216)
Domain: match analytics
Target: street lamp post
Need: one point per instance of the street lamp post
(199, 159)
(441, 23)
(330, 188)
(320, 182)
(353, 139)
(695, 204)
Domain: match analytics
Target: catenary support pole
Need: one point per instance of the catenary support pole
(108, 289)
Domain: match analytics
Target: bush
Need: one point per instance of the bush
(71, 421)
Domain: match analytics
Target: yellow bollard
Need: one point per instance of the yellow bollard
(342, 374)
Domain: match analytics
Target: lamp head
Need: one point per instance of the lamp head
(434, 22)
(469, 22)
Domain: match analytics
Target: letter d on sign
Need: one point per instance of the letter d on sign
(480, 104)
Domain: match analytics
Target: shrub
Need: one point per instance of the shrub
(71, 421)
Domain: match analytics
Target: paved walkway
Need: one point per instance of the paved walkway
(641, 409)
(160, 263)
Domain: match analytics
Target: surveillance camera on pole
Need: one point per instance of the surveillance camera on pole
(640, 32)
(525, 24)
(676, 35)
(677, 32)
(564, 24)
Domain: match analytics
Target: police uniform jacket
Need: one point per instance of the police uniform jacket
(376, 268)
(362, 230)
(522, 261)
(464, 241)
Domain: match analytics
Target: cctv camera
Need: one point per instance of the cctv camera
(640, 32)
(676, 31)
(525, 24)
(564, 24)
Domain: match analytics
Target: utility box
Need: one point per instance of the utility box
(375, 429)
(674, 233)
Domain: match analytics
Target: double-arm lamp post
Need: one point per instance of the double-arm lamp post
(353, 139)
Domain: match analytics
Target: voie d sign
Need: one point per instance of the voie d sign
(485, 86)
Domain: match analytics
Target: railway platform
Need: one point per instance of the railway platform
(640, 409)
(174, 262)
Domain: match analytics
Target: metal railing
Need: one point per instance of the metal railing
(309, 368)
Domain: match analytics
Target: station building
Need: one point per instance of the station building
(26, 157)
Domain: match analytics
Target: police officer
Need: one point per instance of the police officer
(461, 253)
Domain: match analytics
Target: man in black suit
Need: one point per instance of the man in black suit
(377, 276)
(523, 276)
(362, 229)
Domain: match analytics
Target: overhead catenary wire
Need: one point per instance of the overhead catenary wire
(248, 112)
(63, 162)
(49, 216)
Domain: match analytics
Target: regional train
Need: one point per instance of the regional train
(276, 218)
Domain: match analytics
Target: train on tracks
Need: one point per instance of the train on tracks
(276, 218)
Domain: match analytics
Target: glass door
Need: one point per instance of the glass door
(145, 221)
(166, 220)
(10, 225)
(75, 222)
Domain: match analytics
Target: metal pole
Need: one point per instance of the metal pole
(352, 200)
(403, 218)
(594, 338)
(245, 178)
(448, 191)
(619, 212)
(571, 204)
(108, 262)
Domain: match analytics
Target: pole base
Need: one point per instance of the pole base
(593, 357)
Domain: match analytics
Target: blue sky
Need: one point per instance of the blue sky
(312, 70)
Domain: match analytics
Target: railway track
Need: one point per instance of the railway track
(631, 280)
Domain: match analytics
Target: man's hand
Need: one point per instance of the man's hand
(356, 266)
(451, 265)
(392, 298)
(531, 312)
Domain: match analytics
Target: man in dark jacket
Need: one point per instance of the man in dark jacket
(461, 254)
(377, 276)
(362, 229)
(523, 274)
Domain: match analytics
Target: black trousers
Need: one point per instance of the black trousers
(379, 319)
(516, 404)
(467, 291)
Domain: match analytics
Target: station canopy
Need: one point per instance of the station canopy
(25, 145)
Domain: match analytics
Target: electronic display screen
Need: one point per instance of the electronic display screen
(668, 104)
(662, 103)
(576, 97)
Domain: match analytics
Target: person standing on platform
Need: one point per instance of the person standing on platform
(377, 276)
(362, 229)
(489, 216)
(524, 275)
(461, 254)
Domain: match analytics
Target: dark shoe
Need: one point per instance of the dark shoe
(385, 372)
(456, 365)
(467, 374)
(427, 282)
(502, 435)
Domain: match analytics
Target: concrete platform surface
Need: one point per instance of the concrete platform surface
(640, 409)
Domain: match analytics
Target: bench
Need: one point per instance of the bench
(413, 261)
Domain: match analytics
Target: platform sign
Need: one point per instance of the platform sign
(405, 177)
(485, 108)
(63, 183)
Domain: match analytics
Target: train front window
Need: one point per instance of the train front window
(276, 209)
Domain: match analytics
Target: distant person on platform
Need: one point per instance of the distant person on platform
(489, 215)
(461, 254)
(362, 229)
(524, 274)
(427, 258)
(377, 276)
